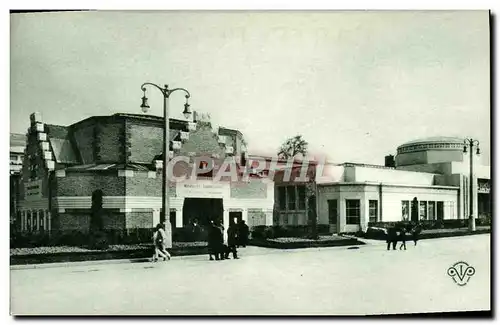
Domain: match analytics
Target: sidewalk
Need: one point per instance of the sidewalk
(247, 251)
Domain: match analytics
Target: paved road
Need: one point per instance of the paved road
(325, 281)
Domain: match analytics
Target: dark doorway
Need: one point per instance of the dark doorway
(333, 215)
(201, 210)
(483, 205)
(440, 210)
(235, 217)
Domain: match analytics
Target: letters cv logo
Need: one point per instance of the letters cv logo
(461, 272)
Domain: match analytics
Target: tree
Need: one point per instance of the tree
(293, 147)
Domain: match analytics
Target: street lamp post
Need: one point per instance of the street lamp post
(469, 142)
(165, 216)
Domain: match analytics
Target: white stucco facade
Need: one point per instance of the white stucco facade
(433, 173)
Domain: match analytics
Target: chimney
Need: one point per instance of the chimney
(389, 161)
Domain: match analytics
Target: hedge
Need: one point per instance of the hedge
(268, 232)
(433, 224)
(102, 239)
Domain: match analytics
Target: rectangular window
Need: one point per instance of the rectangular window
(405, 210)
(352, 212)
(301, 190)
(431, 210)
(373, 210)
(332, 212)
(282, 198)
(292, 200)
(423, 210)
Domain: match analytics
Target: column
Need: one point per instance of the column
(156, 217)
(225, 223)
(269, 217)
(364, 213)
(475, 197)
(178, 218)
(23, 220)
(49, 221)
(45, 223)
(244, 215)
(341, 215)
(37, 220)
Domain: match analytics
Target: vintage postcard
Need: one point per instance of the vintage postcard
(311, 163)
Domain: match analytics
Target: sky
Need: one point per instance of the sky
(355, 85)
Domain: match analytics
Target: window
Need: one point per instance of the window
(282, 198)
(290, 192)
(405, 210)
(423, 210)
(353, 212)
(332, 212)
(204, 165)
(431, 210)
(301, 190)
(373, 210)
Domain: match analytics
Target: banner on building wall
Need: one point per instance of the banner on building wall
(33, 190)
(201, 190)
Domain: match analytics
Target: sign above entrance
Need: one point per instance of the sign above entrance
(202, 190)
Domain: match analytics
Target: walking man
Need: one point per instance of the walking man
(232, 241)
(159, 243)
(242, 233)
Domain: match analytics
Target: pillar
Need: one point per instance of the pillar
(244, 215)
(37, 220)
(23, 220)
(156, 217)
(225, 221)
(269, 217)
(49, 221)
(178, 218)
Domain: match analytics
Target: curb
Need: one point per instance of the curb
(71, 264)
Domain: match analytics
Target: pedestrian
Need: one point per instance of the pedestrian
(164, 237)
(242, 233)
(416, 233)
(392, 238)
(221, 249)
(232, 240)
(402, 237)
(212, 241)
(159, 244)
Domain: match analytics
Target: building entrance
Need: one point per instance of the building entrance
(235, 217)
(201, 211)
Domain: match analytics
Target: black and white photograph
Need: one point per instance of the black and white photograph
(250, 163)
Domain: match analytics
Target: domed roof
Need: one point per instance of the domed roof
(451, 140)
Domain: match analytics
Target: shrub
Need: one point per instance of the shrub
(258, 232)
(98, 240)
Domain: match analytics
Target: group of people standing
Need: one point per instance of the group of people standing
(398, 233)
(237, 235)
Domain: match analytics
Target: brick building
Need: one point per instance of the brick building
(120, 155)
(17, 145)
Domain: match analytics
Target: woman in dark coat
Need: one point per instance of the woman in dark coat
(392, 238)
(213, 241)
(232, 240)
(242, 233)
